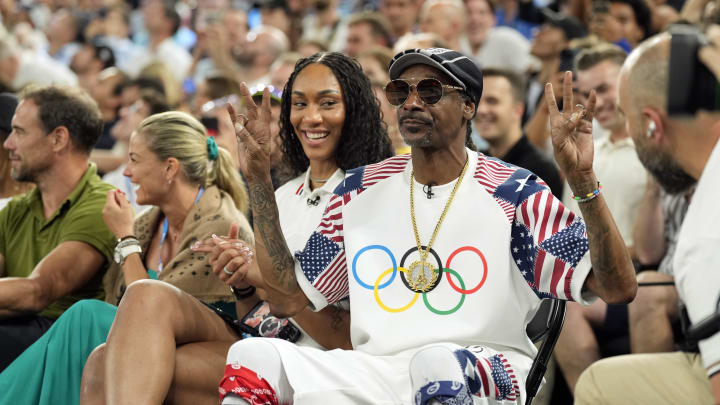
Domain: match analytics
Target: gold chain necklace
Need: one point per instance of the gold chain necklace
(421, 275)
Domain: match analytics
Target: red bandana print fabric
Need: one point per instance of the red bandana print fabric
(248, 385)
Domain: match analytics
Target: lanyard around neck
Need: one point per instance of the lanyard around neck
(166, 225)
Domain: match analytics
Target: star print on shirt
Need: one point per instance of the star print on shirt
(523, 251)
(352, 182)
(521, 185)
(569, 245)
(320, 252)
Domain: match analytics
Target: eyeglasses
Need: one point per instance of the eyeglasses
(430, 91)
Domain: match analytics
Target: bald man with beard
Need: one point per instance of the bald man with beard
(678, 152)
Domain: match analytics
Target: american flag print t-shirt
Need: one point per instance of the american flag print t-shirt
(505, 243)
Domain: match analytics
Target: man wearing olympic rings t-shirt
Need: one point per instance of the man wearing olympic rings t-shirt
(444, 253)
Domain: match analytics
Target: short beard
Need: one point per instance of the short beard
(427, 140)
(244, 58)
(423, 142)
(26, 174)
(671, 177)
(21, 176)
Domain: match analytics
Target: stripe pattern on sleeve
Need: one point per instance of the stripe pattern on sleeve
(547, 239)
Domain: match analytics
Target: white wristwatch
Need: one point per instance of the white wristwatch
(125, 248)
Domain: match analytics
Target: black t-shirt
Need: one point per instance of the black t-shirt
(527, 156)
(106, 141)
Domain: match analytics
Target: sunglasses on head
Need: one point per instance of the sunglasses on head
(430, 91)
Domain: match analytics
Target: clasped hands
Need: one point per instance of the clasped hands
(230, 258)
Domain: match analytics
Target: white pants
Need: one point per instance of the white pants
(445, 372)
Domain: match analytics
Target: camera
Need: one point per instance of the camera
(691, 85)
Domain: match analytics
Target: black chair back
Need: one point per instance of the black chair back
(546, 325)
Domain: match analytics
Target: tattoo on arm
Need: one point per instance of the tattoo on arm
(598, 236)
(614, 276)
(596, 216)
(266, 220)
(337, 319)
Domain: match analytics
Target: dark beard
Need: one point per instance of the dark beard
(244, 58)
(22, 176)
(671, 177)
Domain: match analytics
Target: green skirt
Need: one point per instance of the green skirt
(50, 371)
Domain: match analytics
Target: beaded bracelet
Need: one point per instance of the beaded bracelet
(589, 196)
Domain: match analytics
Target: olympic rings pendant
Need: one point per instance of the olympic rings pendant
(422, 276)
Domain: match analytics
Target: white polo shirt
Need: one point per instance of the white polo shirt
(301, 210)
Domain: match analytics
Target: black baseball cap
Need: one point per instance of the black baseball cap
(8, 104)
(571, 26)
(461, 69)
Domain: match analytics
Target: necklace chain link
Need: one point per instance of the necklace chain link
(314, 180)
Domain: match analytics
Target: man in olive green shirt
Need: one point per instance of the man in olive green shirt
(54, 245)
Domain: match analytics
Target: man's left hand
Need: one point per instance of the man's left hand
(571, 132)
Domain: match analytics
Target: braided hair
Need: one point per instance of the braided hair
(364, 138)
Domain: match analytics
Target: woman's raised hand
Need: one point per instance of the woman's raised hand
(118, 214)
(253, 135)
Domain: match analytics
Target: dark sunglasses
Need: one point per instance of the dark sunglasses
(430, 91)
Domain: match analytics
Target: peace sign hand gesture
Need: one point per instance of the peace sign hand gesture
(253, 135)
(571, 132)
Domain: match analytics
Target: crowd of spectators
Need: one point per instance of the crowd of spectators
(88, 73)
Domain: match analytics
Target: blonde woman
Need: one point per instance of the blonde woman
(196, 193)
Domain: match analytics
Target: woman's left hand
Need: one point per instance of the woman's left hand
(253, 135)
(118, 214)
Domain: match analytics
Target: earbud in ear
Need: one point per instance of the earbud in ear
(651, 129)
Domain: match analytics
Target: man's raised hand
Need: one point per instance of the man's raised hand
(571, 131)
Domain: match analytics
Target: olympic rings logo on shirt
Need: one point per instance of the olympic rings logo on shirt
(395, 269)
